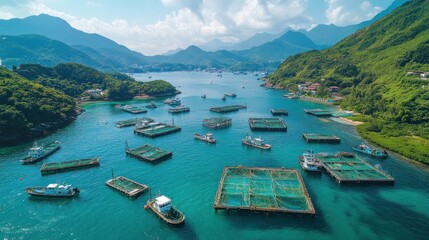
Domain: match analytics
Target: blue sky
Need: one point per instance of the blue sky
(156, 26)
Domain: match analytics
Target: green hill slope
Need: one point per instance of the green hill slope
(28, 109)
(371, 68)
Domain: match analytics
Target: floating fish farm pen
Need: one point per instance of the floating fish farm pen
(126, 186)
(132, 122)
(267, 124)
(319, 112)
(157, 130)
(229, 108)
(217, 122)
(348, 168)
(277, 190)
(279, 112)
(56, 167)
(320, 138)
(148, 153)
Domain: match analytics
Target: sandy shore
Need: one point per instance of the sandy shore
(346, 121)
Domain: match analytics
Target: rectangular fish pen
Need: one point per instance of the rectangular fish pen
(157, 130)
(263, 189)
(320, 138)
(349, 168)
(319, 112)
(56, 167)
(127, 186)
(229, 108)
(279, 112)
(148, 153)
(217, 122)
(267, 124)
(132, 122)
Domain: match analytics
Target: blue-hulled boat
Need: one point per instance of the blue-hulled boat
(363, 148)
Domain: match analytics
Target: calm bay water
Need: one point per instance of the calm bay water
(191, 177)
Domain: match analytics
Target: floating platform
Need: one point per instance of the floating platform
(267, 124)
(132, 122)
(131, 109)
(217, 122)
(149, 153)
(277, 190)
(319, 112)
(320, 138)
(279, 112)
(348, 168)
(56, 167)
(126, 186)
(229, 108)
(157, 130)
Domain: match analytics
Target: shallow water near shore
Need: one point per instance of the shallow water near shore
(192, 175)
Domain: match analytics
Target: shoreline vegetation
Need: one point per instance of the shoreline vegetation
(36, 100)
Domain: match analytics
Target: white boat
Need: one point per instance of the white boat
(257, 142)
(179, 109)
(165, 210)
(208, 137)
(172, 101)
(230, 94)
(53, 190)
(310, 162)
(223, 97)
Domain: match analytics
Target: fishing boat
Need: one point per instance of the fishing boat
(364, 148)
(223, 97)
(172, 101)
(310, 162)
(179, 109)
(257, 142)
(53, 190)
(151, 105)
(165, 210)
(230, 94)
(38, 152)
(203, 96)
(208, 137)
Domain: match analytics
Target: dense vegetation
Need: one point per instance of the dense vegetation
(74, 79)
(29, 109)
(370, 68)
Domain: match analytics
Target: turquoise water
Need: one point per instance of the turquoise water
(192, 175)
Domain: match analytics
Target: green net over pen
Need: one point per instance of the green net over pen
(263, 189)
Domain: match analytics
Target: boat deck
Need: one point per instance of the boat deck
(56, 167)
(126, 186)
(149, 153)
(217, 122)
(352, 169)
(320, 138)
(263, 189)
(226, 109)
(156, 131)
(267, 124)
(279, 112)
(132, 122)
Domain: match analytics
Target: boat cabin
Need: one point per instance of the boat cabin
(35, 151)
(162, 204)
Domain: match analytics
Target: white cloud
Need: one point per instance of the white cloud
(6, 14)
(344, 12)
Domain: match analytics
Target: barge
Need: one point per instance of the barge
(127, 186)
(320, 138)
(56, 167)
(267, 124)
(148, 153)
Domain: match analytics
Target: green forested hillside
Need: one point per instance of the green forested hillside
(73, 79)
(28, 109)
(371, 68)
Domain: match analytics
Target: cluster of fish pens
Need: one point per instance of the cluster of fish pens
(263, 189)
